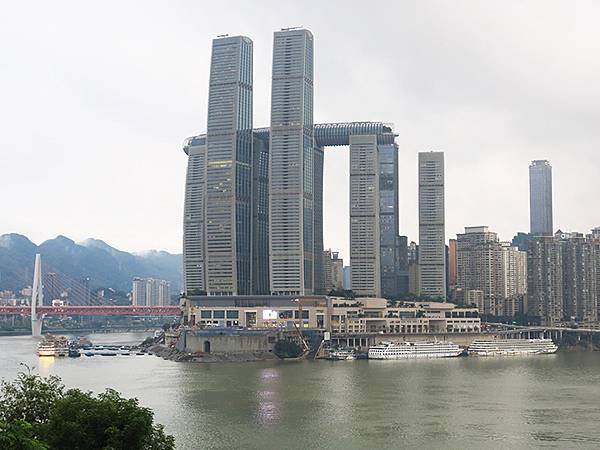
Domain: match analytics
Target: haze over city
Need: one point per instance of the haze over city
(98, 99)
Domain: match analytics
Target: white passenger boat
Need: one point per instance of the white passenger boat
(511, 347)
(46, 349)
(414, 350)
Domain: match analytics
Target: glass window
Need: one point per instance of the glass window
(219, 314)
(206, 314)
(233, 314)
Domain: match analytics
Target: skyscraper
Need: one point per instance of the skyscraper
(365, 247)
(540, 198)
(229, 159)
(194, 252)
(291, 166)
(432, 247)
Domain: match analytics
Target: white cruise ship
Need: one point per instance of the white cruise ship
(511, 347)
(414, 350)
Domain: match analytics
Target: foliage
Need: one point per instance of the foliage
(18, 435)
(37, 413)
(29, 398)
(287, 349)
(108, 420)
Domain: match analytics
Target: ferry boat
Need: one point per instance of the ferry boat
(46, 349)
(53, 346)
(415, 350)
(511, 347)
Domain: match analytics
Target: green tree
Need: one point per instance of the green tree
(18, 435)
(37, 413)
(109, 421)
(29, 398)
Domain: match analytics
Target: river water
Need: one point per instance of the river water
(550, 401)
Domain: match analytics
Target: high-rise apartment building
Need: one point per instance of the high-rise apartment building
(478, 257)
(452, 263)
(150, 292)
(365, 249)
(432, 246)
(291, 193)
(579, 270)
(138, 292)
(513, 281)
(540, 198)
(545, 280)
(229, 158)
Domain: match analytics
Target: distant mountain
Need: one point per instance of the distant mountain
(106, 266)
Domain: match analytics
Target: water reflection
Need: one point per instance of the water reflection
(45, 364)
(268, 404)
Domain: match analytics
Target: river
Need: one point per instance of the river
(550, 401)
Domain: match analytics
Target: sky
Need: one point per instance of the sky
(96, 99)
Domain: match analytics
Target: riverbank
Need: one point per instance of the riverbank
(174, 354)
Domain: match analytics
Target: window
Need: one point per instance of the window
(233, 314)
(219, 314)
(206, 314)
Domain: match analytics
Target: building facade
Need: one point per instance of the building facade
(545, 280)
(365, 247)
(150, 292)
(229, 142)
(540, 198)
(291, 193)
(432, 246)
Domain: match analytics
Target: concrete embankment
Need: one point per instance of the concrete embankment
(173, 354)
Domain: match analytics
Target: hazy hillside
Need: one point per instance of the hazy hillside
(106, 266)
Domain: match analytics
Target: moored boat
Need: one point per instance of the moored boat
(415, 350)
(511, 347)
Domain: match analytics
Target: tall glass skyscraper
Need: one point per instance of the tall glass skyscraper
(540, 198)
(229, 159)
(432, 246)
(291, 166)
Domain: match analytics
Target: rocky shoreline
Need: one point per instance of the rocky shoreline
(173, 354)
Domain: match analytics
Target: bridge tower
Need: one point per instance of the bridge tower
(37, 297)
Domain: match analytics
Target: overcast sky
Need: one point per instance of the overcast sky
(97, 98)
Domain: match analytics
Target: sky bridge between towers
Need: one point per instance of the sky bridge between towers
(326, 134)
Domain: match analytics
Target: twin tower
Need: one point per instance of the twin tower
(253, 219)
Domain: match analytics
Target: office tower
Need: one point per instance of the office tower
(291, 165)
(138, 292)
(164, 294)
(540, 198)
(452, 263)
(580, 299)
(364, 216)
(432, 246)
(403, 284)
(229, 159)
(389, 220)
(337, 271)
(545, 280)
(478, 263)
(193, 218)
(321, 285)
(260, 215)
(347, 277)
(326, 272)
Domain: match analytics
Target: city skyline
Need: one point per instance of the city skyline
(429, 112)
